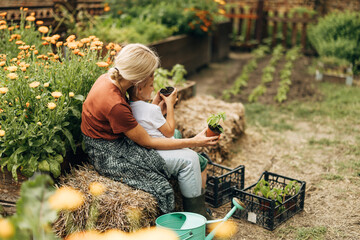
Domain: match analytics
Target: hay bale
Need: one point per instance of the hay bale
(191, 116)
(120, 207)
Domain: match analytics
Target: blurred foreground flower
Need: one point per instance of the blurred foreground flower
(86, 235)
(12, 76)
(6, 228)
(96, 188)
(66, 198)
(154, 233)
(2, 133)
(227, 229)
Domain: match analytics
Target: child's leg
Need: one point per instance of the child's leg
(184, 165)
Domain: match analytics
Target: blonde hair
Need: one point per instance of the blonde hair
(135, 63)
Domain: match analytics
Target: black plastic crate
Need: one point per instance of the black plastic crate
(266, 212)
(220, 181)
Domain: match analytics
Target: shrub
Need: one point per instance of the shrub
(337, 35)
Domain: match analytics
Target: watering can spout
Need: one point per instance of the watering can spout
(237, 205)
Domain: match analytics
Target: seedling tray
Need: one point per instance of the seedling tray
(266, 212)
(220, 181)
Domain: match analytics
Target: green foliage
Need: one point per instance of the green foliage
(164, 77)
(337, 35)
(256, 93)
(34, 216)
(37, 137)
(214, 119)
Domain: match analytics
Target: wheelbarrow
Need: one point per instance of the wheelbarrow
(192, 226)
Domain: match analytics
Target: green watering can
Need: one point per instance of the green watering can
(189, 225)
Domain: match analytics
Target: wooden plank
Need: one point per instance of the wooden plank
(274, 32)
(248, 27)
(242, 16)
(5, 4)
(232, 11)
(290, 20)
(294, 32)
(284, 30)
(303, 33)
(241, 21)
(259, 21)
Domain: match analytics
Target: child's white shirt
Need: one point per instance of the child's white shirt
(149, 116)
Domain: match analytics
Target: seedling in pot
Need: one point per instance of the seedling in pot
(214, 128)
(166, 91)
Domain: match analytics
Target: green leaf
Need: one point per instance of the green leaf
(79, 97)
(48, 149)
(70, 138)
(44, 166)
(75, 112)
(55, 168)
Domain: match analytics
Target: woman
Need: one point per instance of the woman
(119, 148)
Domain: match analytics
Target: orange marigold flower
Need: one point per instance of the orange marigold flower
(72, 45)
(19, 42)
(81, 54)
(30, 18)
(46, 84)
(11, 28)
(106, 8)
(56, 94)
(222, 11)
(26, 77)
(38, 97)
(4, 90)
(58, 44)
(85, 40)
(113, 53)
(51, 105)
(70, 38)
(45, 43)
(76, 51)
(39, 22)
(2, 22)
(2, 63)
(28, 26)
(66, 198)
(23, 69)
(117, 47)
(12, 68)
(3, 14)
(204, 28)
(102, 64)
(71, 94)
(43, 29)
(3, 27)
(27, 104)
(36, 52)
(34, 84)
(12, 76)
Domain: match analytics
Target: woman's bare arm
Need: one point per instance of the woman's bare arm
(141, 137)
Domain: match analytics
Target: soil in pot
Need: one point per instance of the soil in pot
(166, 91)
(213, 131)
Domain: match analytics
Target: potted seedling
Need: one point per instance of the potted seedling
(264, 190)
(290, 190)
(214, 128)
(166, 91)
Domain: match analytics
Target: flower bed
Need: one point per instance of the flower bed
(41, 94)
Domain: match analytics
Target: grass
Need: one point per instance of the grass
(314, 233)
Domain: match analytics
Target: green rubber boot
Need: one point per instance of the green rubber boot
(196, 205)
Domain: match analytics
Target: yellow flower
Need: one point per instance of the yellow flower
(6, 228)
(4, 90)
(66, 198)
(154, 233)
(12, 76)
(56, 94)
(23, 69)
(39, 22)
(222, 11)
(34, 84)
(43, 29)
(2, 63)
(12, 68)
(30, 18)
(39, 123)
(102, 64)
(38, 97)
(58, 44)
(2, 133)
(97, 188)
(46, 84)
(86, 235)
(51, 105)
(71, 94)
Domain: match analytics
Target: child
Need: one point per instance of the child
(151, 118)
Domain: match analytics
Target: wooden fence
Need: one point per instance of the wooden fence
(45, 9)
(253, 26)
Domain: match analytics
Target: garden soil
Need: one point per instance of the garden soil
(332, 203)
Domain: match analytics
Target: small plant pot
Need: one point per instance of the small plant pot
(213, 131)
(166, 91)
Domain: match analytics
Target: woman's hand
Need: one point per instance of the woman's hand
(201, 140)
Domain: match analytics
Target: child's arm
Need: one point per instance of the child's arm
(168, 128)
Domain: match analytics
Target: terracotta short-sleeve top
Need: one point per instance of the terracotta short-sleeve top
(106, 113)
